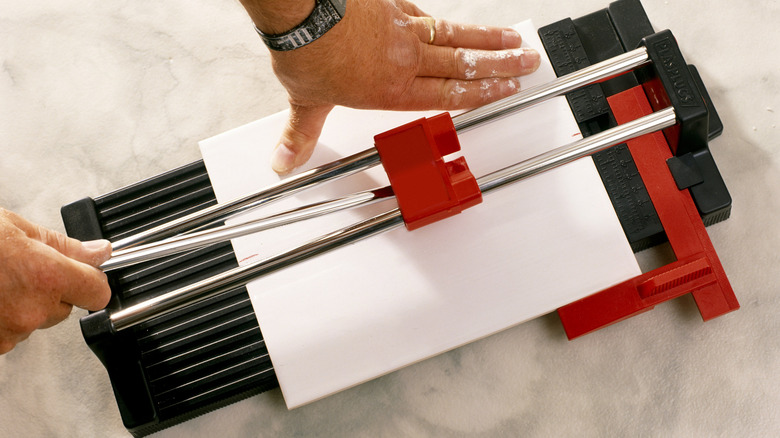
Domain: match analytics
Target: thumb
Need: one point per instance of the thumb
(93, 252)
(299, 137)
(79, 284)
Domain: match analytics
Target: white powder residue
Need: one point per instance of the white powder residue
(472, 57)
(486, 88)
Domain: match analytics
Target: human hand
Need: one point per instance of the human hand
(43, 274)
(379, 57)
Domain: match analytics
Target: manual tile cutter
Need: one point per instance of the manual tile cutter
(682, 121)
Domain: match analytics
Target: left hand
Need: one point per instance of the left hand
(43, 274)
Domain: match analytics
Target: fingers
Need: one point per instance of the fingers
(54, 265)
(469, 36)
(299, 137)
(75, 283)
(446, 62)
(86, 287)
(452, 94)
(69, 267)
(466, 65)
(471, 52)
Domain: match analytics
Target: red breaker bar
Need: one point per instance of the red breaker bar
(697, 270)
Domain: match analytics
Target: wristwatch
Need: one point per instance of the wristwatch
(325, 15)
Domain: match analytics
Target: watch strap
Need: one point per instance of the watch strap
(325, 15)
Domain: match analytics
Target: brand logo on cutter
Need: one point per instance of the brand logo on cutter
(672, 66)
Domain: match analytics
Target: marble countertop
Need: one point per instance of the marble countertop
(97, 95)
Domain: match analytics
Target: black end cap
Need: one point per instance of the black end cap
(716, 125)
(119, 354)
(81, 220)
(669, 82)
(712, 198)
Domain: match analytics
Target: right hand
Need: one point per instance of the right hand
(379, 57)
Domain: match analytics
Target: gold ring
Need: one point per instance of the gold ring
(431, 23)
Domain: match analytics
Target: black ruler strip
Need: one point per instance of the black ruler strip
(575, 44)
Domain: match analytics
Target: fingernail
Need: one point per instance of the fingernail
(283, 159)
(530, 59)
(96, 245)
(510, 39)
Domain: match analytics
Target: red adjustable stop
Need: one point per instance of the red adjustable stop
(427, 188)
